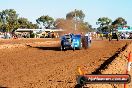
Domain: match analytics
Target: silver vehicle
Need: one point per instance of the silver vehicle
(124, 35)
(2, 36)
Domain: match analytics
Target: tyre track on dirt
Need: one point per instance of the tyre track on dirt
(71, 62)
(35, 67)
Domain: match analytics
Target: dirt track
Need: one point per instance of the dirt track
(36, 66)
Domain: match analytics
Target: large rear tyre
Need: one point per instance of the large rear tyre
(62, 45)
(84, 43)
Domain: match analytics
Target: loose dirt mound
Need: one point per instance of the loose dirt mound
(23, 43)
(40, 66)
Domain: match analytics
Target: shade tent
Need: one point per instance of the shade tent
(39, 30)
(124, 29)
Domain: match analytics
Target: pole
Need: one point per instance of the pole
(75, 20)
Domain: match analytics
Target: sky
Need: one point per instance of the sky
(93, 9)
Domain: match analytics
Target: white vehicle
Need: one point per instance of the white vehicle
(127, 35)
(7, 35)
(2, 36)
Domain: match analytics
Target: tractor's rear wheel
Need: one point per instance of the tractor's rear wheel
(84, 42)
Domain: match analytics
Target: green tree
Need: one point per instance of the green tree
(24, 23)
(119, 22)
(30, 25)
(0, 23)
(46, 21)
(77, 13)
(104, 23)
(9, 19)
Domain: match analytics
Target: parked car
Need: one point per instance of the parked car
(130, 36)
(124, 35)
(2, 36)
(7, 35)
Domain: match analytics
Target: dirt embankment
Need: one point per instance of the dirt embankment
(23, 43)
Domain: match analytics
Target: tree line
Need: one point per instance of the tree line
(106, 24)
(10, 20)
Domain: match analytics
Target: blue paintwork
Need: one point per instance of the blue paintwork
(76, 41)
(71, 41)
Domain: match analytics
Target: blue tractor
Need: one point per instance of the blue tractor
(71, 41)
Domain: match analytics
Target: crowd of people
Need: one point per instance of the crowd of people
(93, 35)
(8, 35)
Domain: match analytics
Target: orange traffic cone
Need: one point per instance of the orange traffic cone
(125, 85)
(82, 71)
(129, 62)
(130, 57)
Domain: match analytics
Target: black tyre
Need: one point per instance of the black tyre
(62, 45)
(84, 43)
